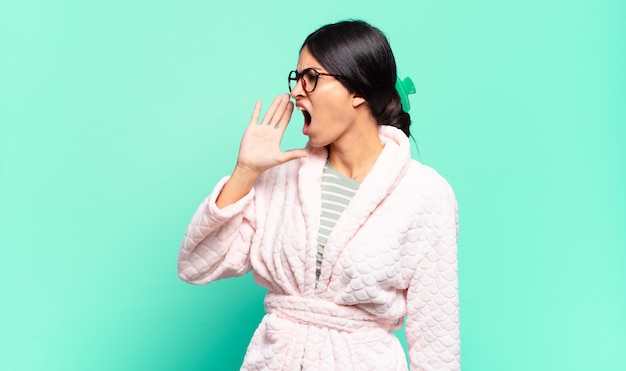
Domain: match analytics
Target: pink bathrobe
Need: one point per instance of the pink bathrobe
(391, 254)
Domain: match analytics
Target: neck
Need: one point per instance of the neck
(355, 156)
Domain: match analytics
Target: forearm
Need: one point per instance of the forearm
(238, 185)
(217, 241)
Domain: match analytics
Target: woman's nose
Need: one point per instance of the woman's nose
(298, 89)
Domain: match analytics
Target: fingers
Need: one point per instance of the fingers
(286, 117)
(260, 144)
(276, 110)
(271, 110)
(256, 112)
(278, 114)
(292, 155)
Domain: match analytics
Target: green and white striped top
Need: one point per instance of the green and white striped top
(337, 191)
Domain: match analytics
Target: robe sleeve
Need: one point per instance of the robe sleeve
(217, 241)
(432, 327)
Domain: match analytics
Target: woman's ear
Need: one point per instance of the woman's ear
(357, 100)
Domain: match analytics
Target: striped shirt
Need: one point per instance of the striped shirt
(337, 191)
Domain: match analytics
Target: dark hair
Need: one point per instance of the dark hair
(361, 54)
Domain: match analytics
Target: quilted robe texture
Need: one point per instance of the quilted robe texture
(391, 254)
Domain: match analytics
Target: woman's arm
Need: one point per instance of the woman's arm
(432, 327)
(260, 149)
(218, 239)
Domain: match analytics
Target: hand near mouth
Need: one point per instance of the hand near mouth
(260, 149)
(260, 146)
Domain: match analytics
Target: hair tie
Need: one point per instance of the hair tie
(404, 88)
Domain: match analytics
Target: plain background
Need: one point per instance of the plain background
(118, 117)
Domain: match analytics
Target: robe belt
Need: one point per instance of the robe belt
(321, 313)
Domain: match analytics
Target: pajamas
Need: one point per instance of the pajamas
(391, 254)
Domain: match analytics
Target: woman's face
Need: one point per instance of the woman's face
(329, 110)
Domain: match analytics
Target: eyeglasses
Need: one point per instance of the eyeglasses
(309, 78)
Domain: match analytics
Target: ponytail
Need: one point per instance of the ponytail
(394, 115)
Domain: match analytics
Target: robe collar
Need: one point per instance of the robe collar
(388, 170)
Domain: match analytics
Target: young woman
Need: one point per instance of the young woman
(348, 235)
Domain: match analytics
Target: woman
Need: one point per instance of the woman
(348, 235)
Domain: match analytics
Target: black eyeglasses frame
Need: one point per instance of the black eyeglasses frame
(297, 76)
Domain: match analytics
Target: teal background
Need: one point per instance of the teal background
(118, 117)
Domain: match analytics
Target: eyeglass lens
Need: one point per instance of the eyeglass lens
(308, 78)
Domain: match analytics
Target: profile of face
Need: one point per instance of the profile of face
(346, 73)
(329, 108)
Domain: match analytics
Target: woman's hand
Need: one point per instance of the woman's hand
(260, 146)
(260, 149)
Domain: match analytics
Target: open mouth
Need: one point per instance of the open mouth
(307, 122)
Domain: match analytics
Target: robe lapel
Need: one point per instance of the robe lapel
(310, 193)
(389, 168)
